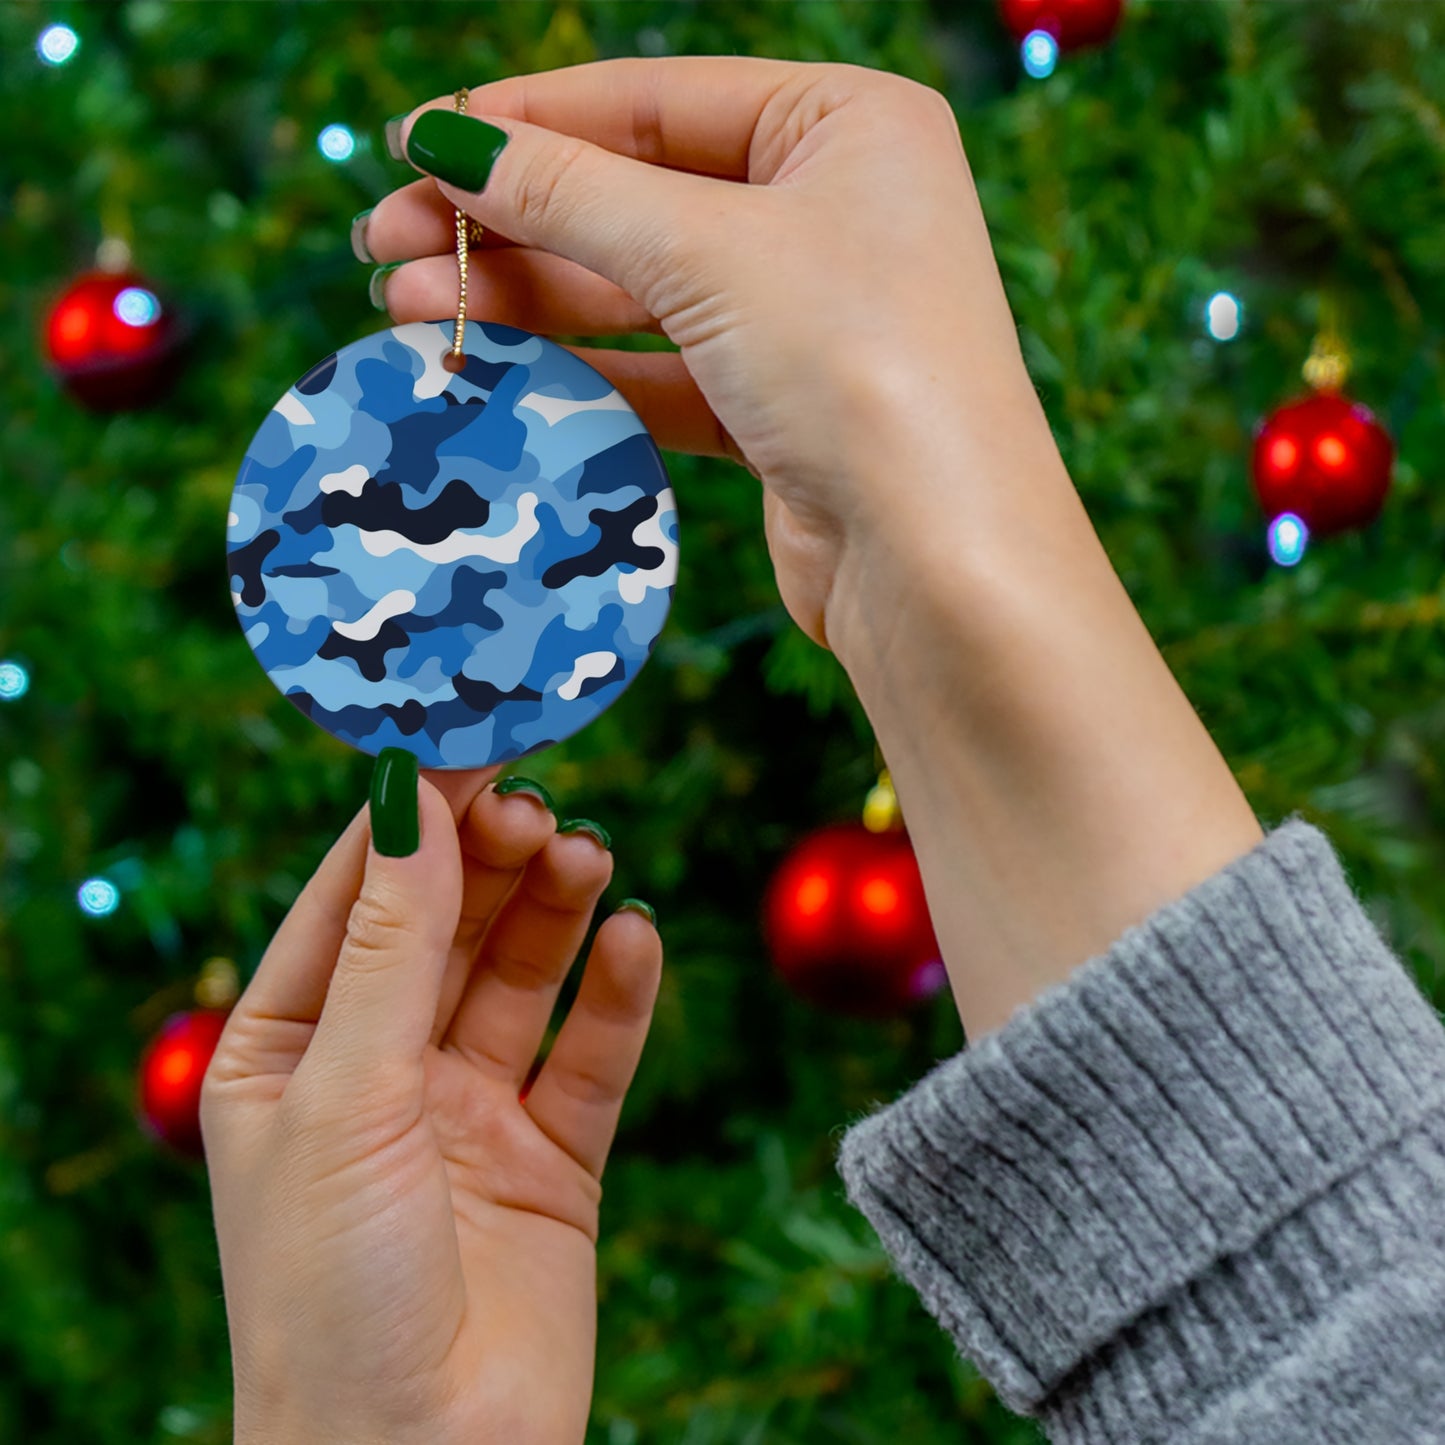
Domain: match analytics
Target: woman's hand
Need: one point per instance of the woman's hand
(842, 300)
(408, 1247)
(810, 237)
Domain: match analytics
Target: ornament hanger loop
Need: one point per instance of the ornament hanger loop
(1328, 366)
(469, 233)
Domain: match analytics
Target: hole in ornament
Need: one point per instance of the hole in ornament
(1331, 451)
(454, 363)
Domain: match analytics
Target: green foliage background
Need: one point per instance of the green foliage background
(1287, 152)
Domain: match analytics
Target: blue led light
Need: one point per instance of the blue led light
(336, 143)
(57, 44)
(14, 681)
(1223, 316)
(1040, 52)
(1288, 537)
(98, 897)
(137, 307)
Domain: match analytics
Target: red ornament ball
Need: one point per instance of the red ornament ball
(112, 341)
(847, 923)
(1324, 458)
(171, 1072)
(1073, 23)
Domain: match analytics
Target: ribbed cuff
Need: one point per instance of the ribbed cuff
(1137, 1183)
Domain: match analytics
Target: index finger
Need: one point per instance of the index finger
(695, 113)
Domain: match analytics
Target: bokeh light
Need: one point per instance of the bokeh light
(336, 143)
(1040, 52)
(14, 681)
(879, 897)
(1288, 537)
(137, 307)
(1282, 455)
(98, 897)
(1223, 316)
(57, 44)
(813, 894)
(930, 977)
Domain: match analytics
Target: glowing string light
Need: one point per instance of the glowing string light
(57, 44)
(98, 897)
(336, 143)
(14, 682)
(1223, 316)
(137, 307)
(1288, 537)
(1040, 52)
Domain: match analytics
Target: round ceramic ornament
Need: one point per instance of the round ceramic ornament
(466, 556)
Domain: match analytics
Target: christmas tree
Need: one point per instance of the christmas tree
(1180, 214)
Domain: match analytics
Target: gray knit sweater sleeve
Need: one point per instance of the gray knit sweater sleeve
(1195, 1193)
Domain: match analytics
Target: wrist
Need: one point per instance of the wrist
(950, 519)
(1056, 782)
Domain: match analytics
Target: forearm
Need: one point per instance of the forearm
(1057, 784)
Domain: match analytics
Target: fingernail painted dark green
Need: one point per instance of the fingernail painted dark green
(395, 823)
(392, 131)
(586, 825)
(455, 148)
(376, 287)
(526, 785)
(358, 236)
(636, 905)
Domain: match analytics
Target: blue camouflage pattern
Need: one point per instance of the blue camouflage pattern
(470, 565)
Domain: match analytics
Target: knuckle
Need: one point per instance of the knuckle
(850, 76)
(587, 1086)
(925, 101)
(373, 933)
(648, 141)
(299, 1116)
(399, 289)
(542, 187)
(520, 971)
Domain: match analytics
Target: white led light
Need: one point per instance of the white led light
(57, 44)
(336, 143)
(1288, 537)
(1040, 52)
(137, 307)
(98, 897)
(14, 681)
(1223, 316)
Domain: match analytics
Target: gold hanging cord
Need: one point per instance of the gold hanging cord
(469, 233)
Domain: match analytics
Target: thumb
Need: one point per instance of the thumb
(382, 999)
(633, 223)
